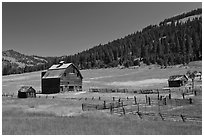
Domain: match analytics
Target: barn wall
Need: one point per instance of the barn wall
(174, 83)
(51, 85)
(71, 80)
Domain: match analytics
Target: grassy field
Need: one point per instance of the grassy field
(49, 116)
(62, 113)
(146, 77)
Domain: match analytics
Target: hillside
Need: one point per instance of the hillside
(14, 62)
(176, 40)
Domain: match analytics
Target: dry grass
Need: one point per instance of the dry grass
(17, 120)
(22, 123)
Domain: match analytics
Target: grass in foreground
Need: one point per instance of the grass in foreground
(15, 122)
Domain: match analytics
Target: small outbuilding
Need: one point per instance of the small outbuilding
(26, 92)
(177, 80)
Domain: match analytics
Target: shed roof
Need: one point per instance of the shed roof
(26, 89)
(177, 77)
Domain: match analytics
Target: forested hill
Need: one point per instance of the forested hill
(173, 41)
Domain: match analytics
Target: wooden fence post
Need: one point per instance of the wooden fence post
(99, 98)
(183, 95)
(123, 111)
(138, 108)
(92, 98)
(127, 98)
(149, 100)
(169, 95)
(161, 116)
(146, 98)
(140, 115)
(104, 104)
(111, 108)
(135, 100)
(113, 98)
(157, 94)
(182, 117)
(195, 93)
(82, 106)
(161, 97)
(190, 100)
(119, 100)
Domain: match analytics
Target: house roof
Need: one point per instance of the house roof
(26, 89)
(177, 77)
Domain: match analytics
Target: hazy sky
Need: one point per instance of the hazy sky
(56, 29)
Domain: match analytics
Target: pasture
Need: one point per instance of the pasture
(62, 113)
(146, 77)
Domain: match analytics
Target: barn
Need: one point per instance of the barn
(26, 91)
(61, 78)
(177, 80)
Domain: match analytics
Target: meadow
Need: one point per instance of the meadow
(145, 77)
(62, 113)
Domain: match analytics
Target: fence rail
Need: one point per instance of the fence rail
(156, 116)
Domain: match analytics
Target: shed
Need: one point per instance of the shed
(26, 91)
(177, 80)
(61, 78)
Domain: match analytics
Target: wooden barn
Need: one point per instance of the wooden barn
(177, 80)
(26, 92)
(61, 78)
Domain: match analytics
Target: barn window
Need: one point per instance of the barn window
(65, 74)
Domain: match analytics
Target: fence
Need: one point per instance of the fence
(140, 91)
(156, 116)
(104, 105)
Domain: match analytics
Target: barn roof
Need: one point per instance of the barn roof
(57, 70)
(177, 77)
(60, 66)
(54, 73)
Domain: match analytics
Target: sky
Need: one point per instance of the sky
(66, 28)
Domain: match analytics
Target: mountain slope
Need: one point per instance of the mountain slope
(21, 60)
(14, 62)
(175, 40)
